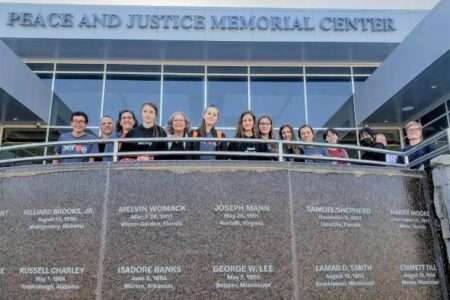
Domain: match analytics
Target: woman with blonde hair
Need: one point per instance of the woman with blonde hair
(178, 126)
(207, 130)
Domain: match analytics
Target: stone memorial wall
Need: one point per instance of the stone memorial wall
(216, 230)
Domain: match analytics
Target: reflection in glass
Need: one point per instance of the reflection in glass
(329, 101)
(129, 92)
(364, 70)
(328, 70)
(435, 127)
(276, 70)
(183, 93)
(76, 92)
(133, 68)
(230, 95)
(282, 98)
(80, 67)
(183, 69)
(226, 70)
(40, 66)
(434, 114)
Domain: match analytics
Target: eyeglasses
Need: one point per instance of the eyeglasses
(126, 118)
(265, 124)
(78, 121)
(413, 129)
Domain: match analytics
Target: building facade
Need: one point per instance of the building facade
(299, 64)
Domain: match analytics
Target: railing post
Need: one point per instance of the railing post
(44, 161)
(448, 138)
(406, 160)
(280, 151)
(115, 150)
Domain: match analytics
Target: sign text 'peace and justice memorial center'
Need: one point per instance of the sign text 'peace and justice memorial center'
(200, 22)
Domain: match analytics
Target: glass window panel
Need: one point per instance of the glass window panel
(80, 67)
(184, 69)
(227, 70)
(276, 70)
(40, 67)
(359, 81)
(435, 113)
(448, 105)
(364, 70)
(133, 68)
(76, 92)
(282, 98)
(328, 70)
(46, 79)
(346, 137)
(129, 92)
(330, 102)
(22, 136)
(229, 133)
(183, 93)
(435, 127)
(230, 95)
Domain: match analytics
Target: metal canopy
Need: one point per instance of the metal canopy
(430, 88)
(199, 50)
(415, 74)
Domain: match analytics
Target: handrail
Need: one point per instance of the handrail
(427, 142)
(278, 155)
(431, 140)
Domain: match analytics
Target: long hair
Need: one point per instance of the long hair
(170, 122)
(288, 148)
(239, 132)
(271, 133)
(118, 126)
(202, 128)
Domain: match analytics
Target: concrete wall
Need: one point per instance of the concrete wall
(210, 230)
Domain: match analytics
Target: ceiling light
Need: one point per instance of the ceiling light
(15, 119)
(433, 87)
(408, 108)
(386, 121)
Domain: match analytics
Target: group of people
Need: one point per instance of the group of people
(178, 126)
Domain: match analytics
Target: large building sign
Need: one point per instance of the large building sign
(200, 22)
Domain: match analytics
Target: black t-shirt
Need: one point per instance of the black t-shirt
(374, 155)
(142, 132)
(248, 147)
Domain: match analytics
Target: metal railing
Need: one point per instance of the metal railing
(279, 155)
